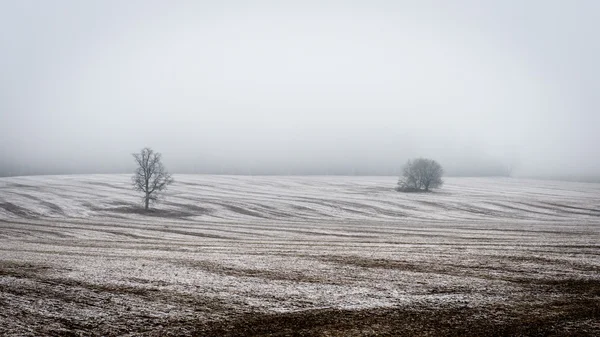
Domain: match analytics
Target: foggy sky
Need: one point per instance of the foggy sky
(306, 87)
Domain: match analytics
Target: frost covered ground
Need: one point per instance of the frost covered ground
(239, 255)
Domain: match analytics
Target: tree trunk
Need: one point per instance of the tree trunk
(146, 200)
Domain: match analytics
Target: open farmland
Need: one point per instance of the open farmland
(239, 255)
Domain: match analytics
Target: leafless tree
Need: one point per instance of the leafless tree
(150, 177)
(420, 175)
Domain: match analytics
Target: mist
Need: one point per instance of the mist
(310, 87)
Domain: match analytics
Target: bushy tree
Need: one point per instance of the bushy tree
(150, 177)
(420, 174)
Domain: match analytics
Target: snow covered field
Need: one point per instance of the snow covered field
(237, 254)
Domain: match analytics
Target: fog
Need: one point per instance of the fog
(306, 87)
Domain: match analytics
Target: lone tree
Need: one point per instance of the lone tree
(150, 177)
(420, 175)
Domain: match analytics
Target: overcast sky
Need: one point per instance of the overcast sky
(321, 87)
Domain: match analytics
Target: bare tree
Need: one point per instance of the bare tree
(420, 175)
(150, 177)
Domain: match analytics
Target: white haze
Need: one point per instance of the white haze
(306, 87)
